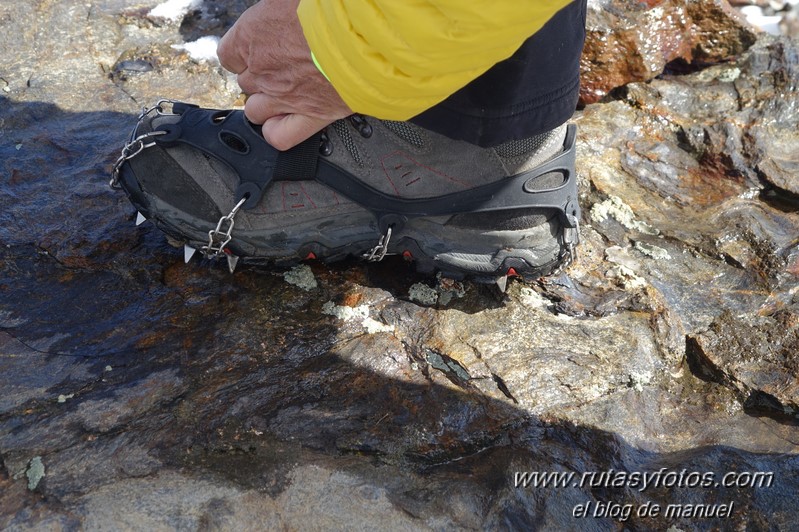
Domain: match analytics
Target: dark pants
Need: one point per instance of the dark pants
(529, 93)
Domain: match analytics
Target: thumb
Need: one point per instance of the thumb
(286, 131)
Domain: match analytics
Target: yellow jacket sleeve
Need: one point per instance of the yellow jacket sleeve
(396, 58)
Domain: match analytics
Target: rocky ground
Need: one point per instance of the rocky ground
(139, 392)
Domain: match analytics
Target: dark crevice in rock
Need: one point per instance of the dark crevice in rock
(701, 367)
(732, 261)
(780, 199)
(762, 404)
(503, 387)
(450, 367)
(3, 467)
(434, 458)
(682, 67)
(693, 140)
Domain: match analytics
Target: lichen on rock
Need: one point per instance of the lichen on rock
(35, 472)
(302, 277)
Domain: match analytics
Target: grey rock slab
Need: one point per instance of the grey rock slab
(25, 373)
(549, 361)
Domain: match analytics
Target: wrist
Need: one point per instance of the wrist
(318, 66)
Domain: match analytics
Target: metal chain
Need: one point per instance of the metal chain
(159, 108)
(380, 251)
(131, 150)
(571, 237)
(219, 238)
(135, 146)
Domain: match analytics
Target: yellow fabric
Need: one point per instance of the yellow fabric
(395, 58)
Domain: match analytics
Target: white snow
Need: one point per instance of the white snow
(174, 10)
(203, 49)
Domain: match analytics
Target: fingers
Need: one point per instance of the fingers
(281, 128)
(259, 108)
(286, 131)
(233, 49)
(230, 53)
(247, 82)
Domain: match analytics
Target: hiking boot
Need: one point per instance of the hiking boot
(362, 186)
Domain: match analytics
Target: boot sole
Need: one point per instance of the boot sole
(427, 243)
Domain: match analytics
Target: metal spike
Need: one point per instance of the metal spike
(188, 253)
(232, 261)
(140, 219)
(502, 283)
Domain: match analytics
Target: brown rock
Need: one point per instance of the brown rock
(719, 32)
(628, 40)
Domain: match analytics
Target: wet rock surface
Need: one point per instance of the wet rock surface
(629, 40)
(139, 392)
(754, 356)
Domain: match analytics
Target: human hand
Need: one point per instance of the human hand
(287, 93)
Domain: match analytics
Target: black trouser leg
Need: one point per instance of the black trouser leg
(531, 92)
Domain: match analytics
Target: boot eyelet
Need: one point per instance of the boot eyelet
(363, 127)
(325, 146)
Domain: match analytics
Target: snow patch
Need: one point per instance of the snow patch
(201, 50)
(173, 10)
